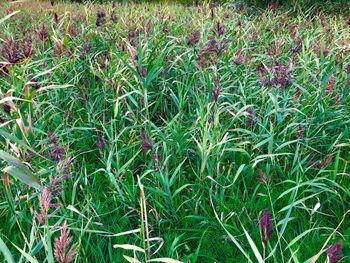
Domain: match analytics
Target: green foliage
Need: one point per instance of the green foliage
(155, 143)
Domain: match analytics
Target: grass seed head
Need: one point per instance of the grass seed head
(334, 253)
(194, 38)
(266, 227)
(45, 205)
(27, 47)
(101, 18)
(11, 51)
(43, 35)
(64, 252)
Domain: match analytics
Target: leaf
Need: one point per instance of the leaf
(26, 255)
(55, 87)
(123, 233)
(12, 160)
(165, 260)
(129, 247)
(19, 170)
(253, 246)
(296, 239)
(11, 137)
(8, 16)
(6, 99)
(131, 260)
(6, 252)
(234, 240)
(28, 179)
(72, 208)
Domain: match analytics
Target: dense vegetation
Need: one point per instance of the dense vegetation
(209, 133)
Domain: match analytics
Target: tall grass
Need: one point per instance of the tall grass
(163, 133)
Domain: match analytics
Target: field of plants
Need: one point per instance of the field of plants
(161, 132)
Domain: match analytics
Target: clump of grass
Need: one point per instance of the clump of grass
(162, 132)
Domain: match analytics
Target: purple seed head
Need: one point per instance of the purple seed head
(42, 34)
(266, 226)
(146, 141)
(101, 143)
(263, 178)
(27, 48)
(194, 38)
(114, 16)
(216, 90)
(45, 205)
(101, 18)
(10, 51)
(293, 29)
(334, 253)
(330, 85)
(7, 107)
(210, 48)
(56, 150)
(322, 51)
(63, 173)
(219, 29)
(239, 59)
(227, 15)
(3, 70)
(261, 70)
(298, 46)
(281, 76)
(63, 251)
(34, 83)
(73, 31)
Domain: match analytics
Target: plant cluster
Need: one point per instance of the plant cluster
(167, 133)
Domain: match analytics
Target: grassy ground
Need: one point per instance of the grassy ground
(169, 131)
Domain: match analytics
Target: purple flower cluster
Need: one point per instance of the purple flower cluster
(11, 51)
(27, 47)
(211, 52)
(72, 30)
(146, 141)
(281, 76)
(194, 38)
(101, 143)
(43, 35)
(101, 18)
(300, 132)
(334, 253)
(330, 85)
(216, 90)
(266, 227)
(14, 53)
(219, 29)
(239, 58)
(63, 173)
(45, 205)
(64, 252)
(133, 37)
(56, 150)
